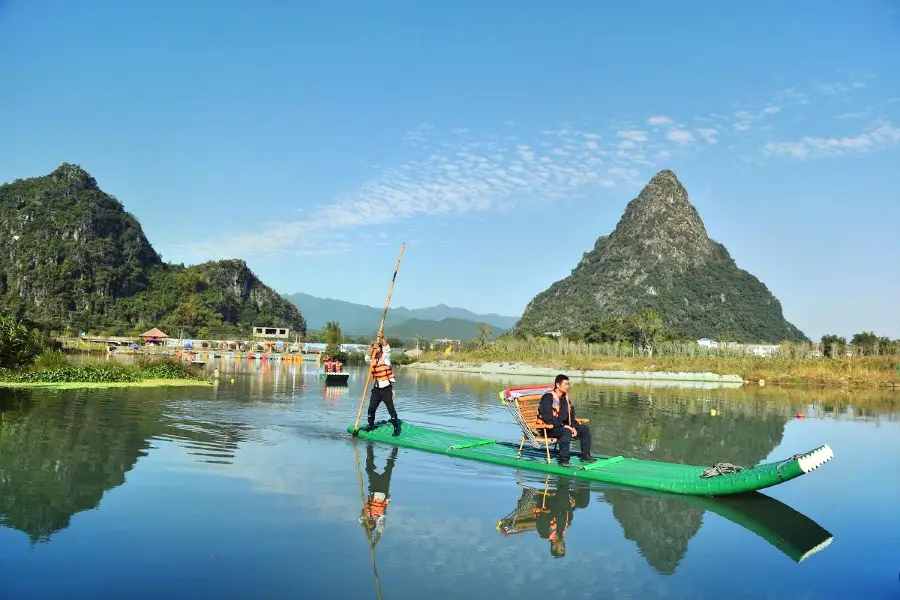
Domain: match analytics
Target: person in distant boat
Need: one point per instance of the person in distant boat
(383, 383)
(374, 511)
(328, 364)
(552, 523)
(556, 410)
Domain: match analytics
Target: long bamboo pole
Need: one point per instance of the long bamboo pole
(380, 330)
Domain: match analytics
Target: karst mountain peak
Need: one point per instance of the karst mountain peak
(663, 226)
(660, 257)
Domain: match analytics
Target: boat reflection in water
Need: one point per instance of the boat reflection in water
(662, 524)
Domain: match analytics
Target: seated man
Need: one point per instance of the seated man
(556, 410)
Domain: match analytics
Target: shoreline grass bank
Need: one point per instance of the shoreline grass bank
(52, 370)
(863, 371)
(73, 385)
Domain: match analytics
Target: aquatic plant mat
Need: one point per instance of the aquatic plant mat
(711, 480)
(75, 385)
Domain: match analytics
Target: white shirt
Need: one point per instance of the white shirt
(385, 359)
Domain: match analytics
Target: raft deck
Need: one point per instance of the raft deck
(631, 472)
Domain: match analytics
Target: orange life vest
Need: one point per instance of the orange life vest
(381, 371)
(555, 405)
(375, 506)
(555, 532)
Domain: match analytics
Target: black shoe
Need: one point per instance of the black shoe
(396, 428)
(588, 459)
(564, 463)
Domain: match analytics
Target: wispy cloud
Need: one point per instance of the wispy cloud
(680, 136)
(884, 134)
(632, 135)
(462, 171)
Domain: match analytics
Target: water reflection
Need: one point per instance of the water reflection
(334, 393)
(61, 451)
(268, 455)
(375, 505)
(661, 525)
(57, 458)
(549, 511)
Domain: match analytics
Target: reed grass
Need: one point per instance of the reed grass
(791, 364)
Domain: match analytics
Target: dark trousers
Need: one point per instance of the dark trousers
(379, 395)
(564, 437)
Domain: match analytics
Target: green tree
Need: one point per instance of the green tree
(19, 346)
(605, 330)
(832, 345)
(867, 341)
(332, 336)
(646, 328)
(483, 338)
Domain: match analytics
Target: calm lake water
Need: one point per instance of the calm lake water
(254, 490)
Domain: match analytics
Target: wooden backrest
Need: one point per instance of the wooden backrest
(528, 407)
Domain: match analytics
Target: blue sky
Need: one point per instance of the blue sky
(498, 139)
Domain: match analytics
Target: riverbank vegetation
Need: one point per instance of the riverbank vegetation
(786, 363)
(28, 359)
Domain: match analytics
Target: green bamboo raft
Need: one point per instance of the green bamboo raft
(718, 480)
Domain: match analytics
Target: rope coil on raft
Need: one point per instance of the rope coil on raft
(728, 468)
(721, 469)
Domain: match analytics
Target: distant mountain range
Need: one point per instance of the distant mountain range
(439, 321)
(449, 328)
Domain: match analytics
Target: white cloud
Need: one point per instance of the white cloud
(885, 134)
(679, 136)
(853, 115)
(635, 136)
(830, 89)
(457, 172)
(709, 134)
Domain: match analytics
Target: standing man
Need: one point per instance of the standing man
(556, 410)
(383, 383)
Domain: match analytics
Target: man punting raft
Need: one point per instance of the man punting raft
(382, 383)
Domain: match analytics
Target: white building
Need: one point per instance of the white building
(271, 332)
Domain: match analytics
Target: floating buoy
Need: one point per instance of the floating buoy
(713, 412)
(232, 380)
(799, 415)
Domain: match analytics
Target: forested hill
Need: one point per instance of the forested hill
(72, 257)
(660, 258)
